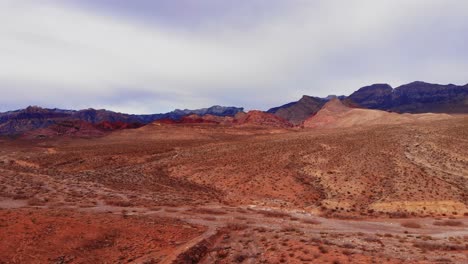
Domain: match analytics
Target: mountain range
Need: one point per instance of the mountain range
(415, 97)
(34, 117)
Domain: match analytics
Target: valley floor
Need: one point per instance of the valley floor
(218, 194)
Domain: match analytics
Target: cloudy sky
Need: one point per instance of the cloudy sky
(150, 56)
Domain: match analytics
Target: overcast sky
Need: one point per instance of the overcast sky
(154, 56)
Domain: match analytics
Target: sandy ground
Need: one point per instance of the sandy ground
(218, 194)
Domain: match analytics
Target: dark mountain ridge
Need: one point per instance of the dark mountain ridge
(415, 97)
(297, 112)
(34, 117)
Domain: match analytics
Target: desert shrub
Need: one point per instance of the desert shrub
(316, 240)
(371, 239)
(21, 196)
(208, 211)
(438, 246)
(118, 202)
(311, 221)
(398, 215)
(323, 249)
(290, 229)
(239, 258)
(35, 202)
(260, 229)
(443, 260)
(448, 223)
(236, 226)
(425, 238)
(274, 214)
(349, 245)
(222, 254)
(411, 224)
(104, 241)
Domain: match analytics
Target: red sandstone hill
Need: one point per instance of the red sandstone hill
(78, 128)
(206, 119)
(197, 119)
(111, 126)
(252, 118)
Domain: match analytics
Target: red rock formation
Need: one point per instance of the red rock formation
(111, 126)
(259, 118)
(196, 119)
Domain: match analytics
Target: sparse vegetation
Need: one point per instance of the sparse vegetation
(259, 195)
(448, 223)
(411, 224)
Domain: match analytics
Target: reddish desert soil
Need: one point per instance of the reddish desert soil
(189, 193)
(68, 236)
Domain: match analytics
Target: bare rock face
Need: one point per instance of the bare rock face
(297, 112)
(259, 118)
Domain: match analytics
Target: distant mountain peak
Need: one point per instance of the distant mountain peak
(377, 86)
(34, 108)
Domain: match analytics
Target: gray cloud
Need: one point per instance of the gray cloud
(153, 56)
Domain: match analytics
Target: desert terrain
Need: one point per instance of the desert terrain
(394, 192)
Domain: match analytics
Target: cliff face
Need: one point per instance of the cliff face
(415, 97)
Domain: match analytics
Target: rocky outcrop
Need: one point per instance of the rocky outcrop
(259, 118)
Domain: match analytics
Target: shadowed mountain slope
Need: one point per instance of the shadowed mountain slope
(415, 97)
(297, 112)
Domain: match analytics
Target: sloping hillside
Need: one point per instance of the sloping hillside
(336, 115)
